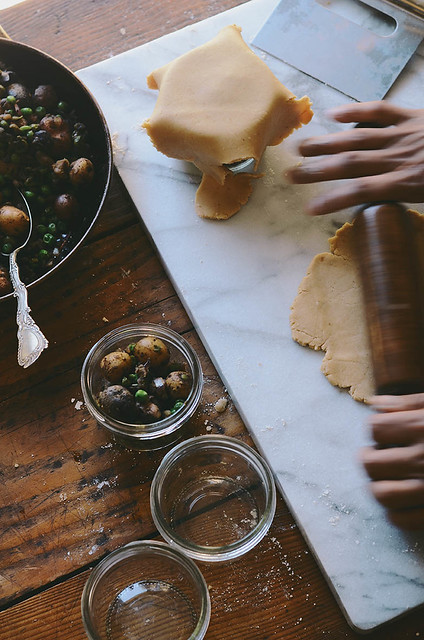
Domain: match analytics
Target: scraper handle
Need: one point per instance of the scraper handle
(390, 257)
(416, 7)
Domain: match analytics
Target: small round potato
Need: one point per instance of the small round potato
(81, 172)
(153, 350)
(116, 365)
(179, 384)
(13, 221)
(117, 402)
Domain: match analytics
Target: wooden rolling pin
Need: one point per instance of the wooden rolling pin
(390, 257)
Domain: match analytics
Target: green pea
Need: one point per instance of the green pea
(40, 111)
(141, 395)
(26, 111)
(178, 405)
(132, 377)
(4, 124)
(30, 195)
(131, 348)
(30, 135)
(43, 255)
(11, 99)
(48, 239)
(52, 228)
(7, 247)
(63, 106)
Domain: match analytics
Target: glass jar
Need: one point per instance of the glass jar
(141, 434)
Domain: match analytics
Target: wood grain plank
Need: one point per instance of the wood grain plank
(70, 31)
(275, 592)
(68, 495)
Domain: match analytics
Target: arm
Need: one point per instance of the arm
(383, 163)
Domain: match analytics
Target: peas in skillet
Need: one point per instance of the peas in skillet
(45, 151)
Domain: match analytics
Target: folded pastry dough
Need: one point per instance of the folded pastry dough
(219, 104)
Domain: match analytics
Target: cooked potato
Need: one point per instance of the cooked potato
(116, 365)
(81, 172)
(178, 384)
(117, 402)
(13, 221)
(153, 350)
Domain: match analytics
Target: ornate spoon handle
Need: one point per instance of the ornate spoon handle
(31, 341)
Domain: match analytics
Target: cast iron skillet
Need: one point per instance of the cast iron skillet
(35, 67)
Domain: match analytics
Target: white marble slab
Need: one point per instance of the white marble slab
(237, 280)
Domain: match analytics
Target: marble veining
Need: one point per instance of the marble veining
(237, 280)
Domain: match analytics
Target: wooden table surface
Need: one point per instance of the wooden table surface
(68, 495)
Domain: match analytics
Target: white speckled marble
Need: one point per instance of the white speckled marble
(237, 279)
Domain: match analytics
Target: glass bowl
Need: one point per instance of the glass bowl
(143, 591)
(213, 497)
(173, 379)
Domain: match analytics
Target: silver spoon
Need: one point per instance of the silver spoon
(31, 340)
(242, 166)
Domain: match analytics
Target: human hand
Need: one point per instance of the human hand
(397, 470)
(379, 164)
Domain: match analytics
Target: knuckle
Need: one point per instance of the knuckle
(351, 158)
(418, 458)
(381, 492)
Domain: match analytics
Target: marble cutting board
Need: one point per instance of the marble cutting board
(237, 280)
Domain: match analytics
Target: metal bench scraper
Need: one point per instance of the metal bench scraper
(362, 64)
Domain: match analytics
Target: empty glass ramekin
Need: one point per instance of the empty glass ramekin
(146, 590)
(141, 434)
(213, 497)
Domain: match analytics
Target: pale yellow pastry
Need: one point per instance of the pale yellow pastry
(329, 314)
(219, 104)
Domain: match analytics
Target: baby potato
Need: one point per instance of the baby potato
(116, 365)
(13, 221)
(81, 172)
(178, 384)
(153, 350)
(117, 402)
